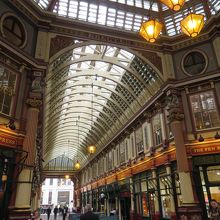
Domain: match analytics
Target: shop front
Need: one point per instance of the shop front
(206, 170)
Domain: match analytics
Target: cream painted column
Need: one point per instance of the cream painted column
(119, 210)
(216, 46)
(167, 65)
(23, 194)
(172, 209)
(156, 202)
(132, 194)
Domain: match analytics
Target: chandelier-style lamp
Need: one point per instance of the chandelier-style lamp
(91, 149)
(174, 5)
(67, 177)
(77, 165)
(150, 30)
(192, 24)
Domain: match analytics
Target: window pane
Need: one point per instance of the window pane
(204, 110)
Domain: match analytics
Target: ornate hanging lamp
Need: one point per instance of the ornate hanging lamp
(150, 30)
(92, 148)
(192, 24)
(77, 165)
(174, 5)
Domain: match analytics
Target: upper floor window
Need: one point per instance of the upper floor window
(157, 130)
(13, 30)
(7, 89)
(122, 152)
(204, 110)
(139, 140)
(110, 160)
(51, 181)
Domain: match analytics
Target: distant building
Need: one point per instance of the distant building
(57, 192)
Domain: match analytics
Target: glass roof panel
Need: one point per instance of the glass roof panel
(126, 15)
(98, 91)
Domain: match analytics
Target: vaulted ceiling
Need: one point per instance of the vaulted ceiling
(93, 89)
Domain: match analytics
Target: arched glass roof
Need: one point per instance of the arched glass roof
(92, 91)
(127, 15)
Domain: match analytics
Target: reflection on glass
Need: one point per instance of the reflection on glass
(213, 173)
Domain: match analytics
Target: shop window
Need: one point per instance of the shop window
(210, 184)
(13, 30)
(7, 90)
(157, 130)
(204, 110)
(139, 140)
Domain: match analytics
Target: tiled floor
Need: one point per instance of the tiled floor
(44, 217)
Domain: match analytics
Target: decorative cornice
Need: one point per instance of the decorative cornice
(34, 103)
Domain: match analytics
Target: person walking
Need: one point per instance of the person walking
(65, 210)
(48, 212)
(214, 210)
(89, 215)
(55, 211)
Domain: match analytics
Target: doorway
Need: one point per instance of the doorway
(125, 208)
(208, 185)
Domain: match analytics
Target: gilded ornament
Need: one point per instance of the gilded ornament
(34, 103)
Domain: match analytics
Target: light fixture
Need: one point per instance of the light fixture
(10, 124)
(192, 24)
(217, 135)
(77, 165)
(92, 148)
(150, 30)
(201, 138)
(174, 5)
(67, 176)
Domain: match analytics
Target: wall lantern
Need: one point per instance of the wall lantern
(174, 5)
(150, 30)
(192, 24)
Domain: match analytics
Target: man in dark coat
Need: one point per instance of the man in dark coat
(89, 215)
(48, 212)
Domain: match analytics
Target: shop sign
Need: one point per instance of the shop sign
(205, 150)
(7, 141)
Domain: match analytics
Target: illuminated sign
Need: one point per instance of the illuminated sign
(8, 141)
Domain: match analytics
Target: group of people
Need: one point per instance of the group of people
(62, 211)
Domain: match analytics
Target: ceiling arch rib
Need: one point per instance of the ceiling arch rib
(75, 94)
(60, 102)
(98, 85)
(53, 126)
(92, 73)
(83, 129)
(50, 126)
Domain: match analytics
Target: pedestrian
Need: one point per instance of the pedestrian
(89, 215)
(55, 211)
(65, 210)
(214, 210)
(48, 212)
